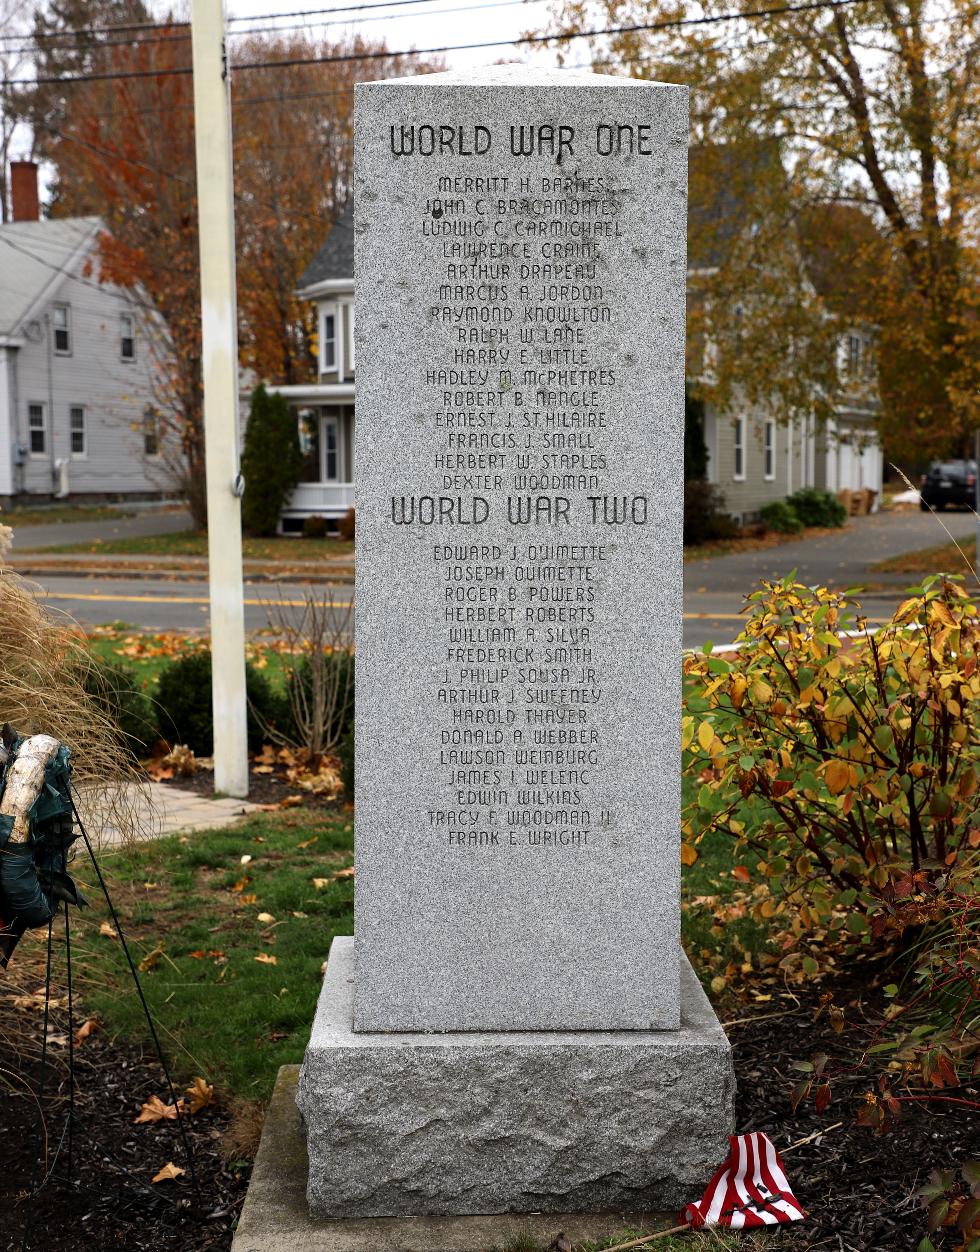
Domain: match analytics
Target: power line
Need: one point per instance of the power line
(117, 28)
(524, 40)
(273, 30)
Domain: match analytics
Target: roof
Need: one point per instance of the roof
(730, 187)
(336, 258)
(34, 259)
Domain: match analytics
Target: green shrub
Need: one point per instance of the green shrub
(118, 693)
(781, 517)
(271, 461)
(345, 527)
(705, 517)
(818, 508)
(184, 704)
(314, 527)
(345, 750)
(838, 770)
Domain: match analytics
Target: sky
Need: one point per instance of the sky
(426, 24)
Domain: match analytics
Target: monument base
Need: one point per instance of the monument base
(535, 1122)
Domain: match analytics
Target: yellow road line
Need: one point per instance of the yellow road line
(106, 599)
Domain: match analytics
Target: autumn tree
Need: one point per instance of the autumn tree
(872, 104)
(123, 148)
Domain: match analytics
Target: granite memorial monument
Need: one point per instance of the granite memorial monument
(514, 1026)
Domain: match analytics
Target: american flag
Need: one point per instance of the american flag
(749, 1190)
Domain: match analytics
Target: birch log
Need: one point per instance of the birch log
(25, 778)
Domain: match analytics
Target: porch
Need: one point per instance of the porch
(325, 417)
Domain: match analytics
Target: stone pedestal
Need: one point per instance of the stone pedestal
(542, 1121)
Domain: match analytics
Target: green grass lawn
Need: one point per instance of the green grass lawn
(191, 911)
(60, 513)
(148, 653)
(195, 543)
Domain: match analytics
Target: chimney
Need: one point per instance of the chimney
(24, 201)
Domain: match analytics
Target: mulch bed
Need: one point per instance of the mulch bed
(109, 1202)
(262, 788)
(858, 1186)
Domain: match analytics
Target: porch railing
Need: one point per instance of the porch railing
(320, 499)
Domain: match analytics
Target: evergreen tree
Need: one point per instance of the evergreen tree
(271, 462)
(695, 448)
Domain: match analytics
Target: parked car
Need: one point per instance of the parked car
(949, 483)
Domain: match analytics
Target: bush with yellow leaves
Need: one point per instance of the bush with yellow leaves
(839, 759)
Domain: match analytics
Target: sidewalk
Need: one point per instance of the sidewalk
(174, 810)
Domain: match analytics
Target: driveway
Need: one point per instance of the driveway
(714, 589)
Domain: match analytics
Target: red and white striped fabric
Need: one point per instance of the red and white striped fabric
(751, 1189)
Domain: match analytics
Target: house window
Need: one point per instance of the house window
(328, 342)
(37, 428)
(127, 337)
(151, 432)
(76, 430)
(61, 318)
(739, 449)
(769, 448)
(854, 355)
(331, 450)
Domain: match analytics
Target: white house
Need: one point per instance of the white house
(78, 404)
(325, 409)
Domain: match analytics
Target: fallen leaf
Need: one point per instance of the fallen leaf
(297, 913)
(248, 899)
(201, 1094)
(240, 885)
(86, 1028)
(197, 955)
(154, 1110)
(343, 873)
(150, 959)
(245, 859)
(265, 917)
(290, 802)
(308, 843)
(264, 958)
(320, 883)
(108, 930)
(169, 1173)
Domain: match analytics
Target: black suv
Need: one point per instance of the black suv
(949, 482)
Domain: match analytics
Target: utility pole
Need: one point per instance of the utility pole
(219, 325)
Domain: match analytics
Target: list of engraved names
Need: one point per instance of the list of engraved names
(523, 505)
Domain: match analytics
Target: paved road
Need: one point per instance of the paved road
(154, 604)
(140, 523)
(714, 589)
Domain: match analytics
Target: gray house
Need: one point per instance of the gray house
(79, 374)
